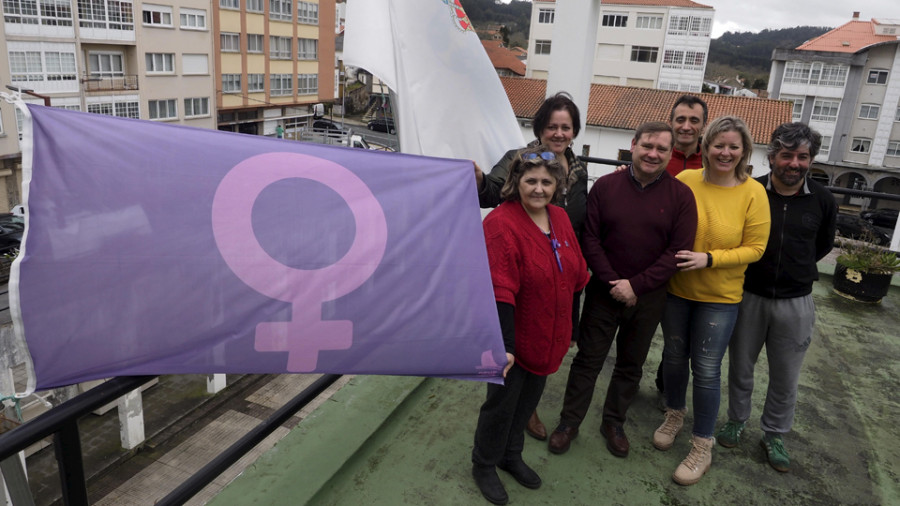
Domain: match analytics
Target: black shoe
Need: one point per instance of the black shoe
(521, 472)
(489, 483)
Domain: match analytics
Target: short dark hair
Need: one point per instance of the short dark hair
(521, 164)
(653, 127)
(690, 101)
(562, 101)
(791, 136)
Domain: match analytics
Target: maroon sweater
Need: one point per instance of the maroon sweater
(525, 274)
(633, 233)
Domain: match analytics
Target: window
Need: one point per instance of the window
(546, 15)
(645, 54)
(815, 73)
(826, 145)
(308, 13)
(307, 84)
(279, 47)
(106, 64)
(860, 145)
(231, 83)
(280, 84)
(195, 64)
(893, 148)
(254, 43)
(869, 111)
(648, 22)
(193, 19)
(230, 4)
(163, 109)
(280, 9)
(833, 75)
(38, 12)
(617, 20)
(196, 107)
(124, 109)
(307, 49)
(694, 60)
(231, 42)
(877, 77)
(825, 110)
(26, 66)
(160, 63)
(254, 5)
(542, 47)
(796, 107)
(106, 14)
(256, 83)
(157, 15)
(673, 58)
(693, 26)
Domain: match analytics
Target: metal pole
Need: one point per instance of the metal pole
(67, 446)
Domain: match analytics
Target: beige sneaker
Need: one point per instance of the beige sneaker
(695, 465)
(664, 436)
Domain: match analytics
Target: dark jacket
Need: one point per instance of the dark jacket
(802, 234)
(574, 201)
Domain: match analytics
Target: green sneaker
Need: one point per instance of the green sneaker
(729, 435)
(777, 455)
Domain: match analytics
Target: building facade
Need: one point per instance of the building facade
(275, 60)
(846, 85)
(660, 44)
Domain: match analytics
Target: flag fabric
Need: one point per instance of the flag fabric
(451, 102)
(162, 249)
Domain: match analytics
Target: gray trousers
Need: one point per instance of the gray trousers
(785, 327)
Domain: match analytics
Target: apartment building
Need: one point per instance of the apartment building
(659, 44)
(846, 85)
(275, 60)
(115, 57)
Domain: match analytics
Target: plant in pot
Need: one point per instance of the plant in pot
(863, 271)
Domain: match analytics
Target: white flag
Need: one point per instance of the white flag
(451, 102)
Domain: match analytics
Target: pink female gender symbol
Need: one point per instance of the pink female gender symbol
(306, 334)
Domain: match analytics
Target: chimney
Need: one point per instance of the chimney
(856, 15)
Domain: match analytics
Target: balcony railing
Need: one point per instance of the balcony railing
(112, 83)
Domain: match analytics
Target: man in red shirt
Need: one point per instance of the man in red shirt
(688, 119)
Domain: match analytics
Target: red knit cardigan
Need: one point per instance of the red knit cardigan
(525, 273)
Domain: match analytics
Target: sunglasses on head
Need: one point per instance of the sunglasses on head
(546, 155)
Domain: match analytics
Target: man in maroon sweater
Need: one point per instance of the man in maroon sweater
(688, 119)
(637, 219)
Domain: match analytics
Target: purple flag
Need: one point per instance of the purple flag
(160, 249)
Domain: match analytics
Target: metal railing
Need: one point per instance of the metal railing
(117, 83)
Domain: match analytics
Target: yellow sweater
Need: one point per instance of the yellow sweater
(732, 224)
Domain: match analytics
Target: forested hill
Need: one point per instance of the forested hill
(516, 16)
(752, 52)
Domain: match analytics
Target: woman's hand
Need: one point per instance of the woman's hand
(479, 176)
(621, 167)
(691, 260)
(511, 360)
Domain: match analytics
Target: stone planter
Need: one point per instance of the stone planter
(861, 286)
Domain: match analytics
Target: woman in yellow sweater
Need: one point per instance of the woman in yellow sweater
(732, 231)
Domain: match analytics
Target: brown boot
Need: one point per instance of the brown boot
(535, 428)
(697, 463)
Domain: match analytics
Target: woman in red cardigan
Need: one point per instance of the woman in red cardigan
(536, 267)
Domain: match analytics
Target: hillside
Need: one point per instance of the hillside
(516, 16)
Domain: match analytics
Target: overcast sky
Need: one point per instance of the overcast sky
(756, 15)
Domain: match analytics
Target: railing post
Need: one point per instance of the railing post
(67, 446)
(215, 383)
(131, 419)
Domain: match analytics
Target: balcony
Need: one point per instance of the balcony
(91, 83)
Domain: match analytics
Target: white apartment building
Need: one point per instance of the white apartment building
(660, 44)
(117, 57)
(846, 85)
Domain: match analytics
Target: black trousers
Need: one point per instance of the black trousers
(500, 433)
(603, 321)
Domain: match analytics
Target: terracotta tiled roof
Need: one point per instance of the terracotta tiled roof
(847, 38)
(626, 107)
(503, 58)
(655, 3)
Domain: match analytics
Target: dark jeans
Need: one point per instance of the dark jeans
(500, 433)
(603, 317)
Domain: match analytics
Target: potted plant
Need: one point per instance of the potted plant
(863, 271)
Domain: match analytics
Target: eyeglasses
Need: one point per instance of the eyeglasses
(546, 155)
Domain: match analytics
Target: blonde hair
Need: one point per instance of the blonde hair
(721, 125)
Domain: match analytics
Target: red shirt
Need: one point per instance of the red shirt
(680, 162)
(525, 273)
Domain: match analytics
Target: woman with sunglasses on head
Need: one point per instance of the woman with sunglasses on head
(556, 123)
(536, 266)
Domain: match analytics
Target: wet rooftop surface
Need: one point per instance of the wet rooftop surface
(390, 440)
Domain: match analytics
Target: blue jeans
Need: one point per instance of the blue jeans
(696, 336)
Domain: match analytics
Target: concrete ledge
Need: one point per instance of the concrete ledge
(305, 461)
